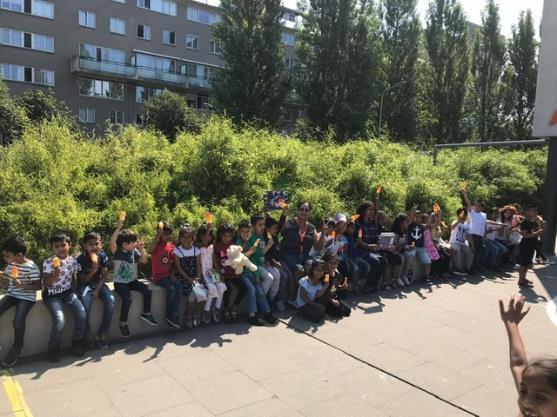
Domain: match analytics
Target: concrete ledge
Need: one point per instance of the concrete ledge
(39, 323)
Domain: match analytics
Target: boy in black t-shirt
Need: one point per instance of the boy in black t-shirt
(530, 228)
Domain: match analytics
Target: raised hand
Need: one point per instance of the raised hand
(515, 311)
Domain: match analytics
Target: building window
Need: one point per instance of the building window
(87, 115)
(162, 6)
(289, 63)
(169, 37)
(87, 19)
(139, 119)
(11, 72)
(142, 94)
(116, 117)
(203, 16)
(118, 25)
(119, 1)
(101, 88)
(288, 38)
(100, 53)
(192, 42)
(214, 47)
(144, 32)
(39, 8)
(19, 39)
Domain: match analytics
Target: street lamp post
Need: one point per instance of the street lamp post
(389, 88)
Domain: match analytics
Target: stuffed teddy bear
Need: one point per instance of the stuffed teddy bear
(237, 260)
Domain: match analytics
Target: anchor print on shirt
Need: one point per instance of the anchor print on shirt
(416, 234)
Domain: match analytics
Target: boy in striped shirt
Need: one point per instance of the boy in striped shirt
(24, 280)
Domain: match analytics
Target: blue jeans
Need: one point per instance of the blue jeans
(55, 307)
(255, 294)
(174, 292)
(493, 251)
(86, 295)
(22, 308)
(292, 260)
(359, 271)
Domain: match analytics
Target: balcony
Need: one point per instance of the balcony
(127, 72)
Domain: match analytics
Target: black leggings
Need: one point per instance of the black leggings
(441, 265)
(124, 291)
(240, 286)
(342, 310)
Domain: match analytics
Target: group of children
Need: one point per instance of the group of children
(293, 263)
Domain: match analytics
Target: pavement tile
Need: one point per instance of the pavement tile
(300, 389)
(344, 405)
(392, 358)
(192, 409)
(450, 357)
(372, 386)
(228, 392)
(441, 381)
(145, 397)
(195, 366)
(262, 365)
(271, 407)
(489, 401)
(419, 404)
(62, 400)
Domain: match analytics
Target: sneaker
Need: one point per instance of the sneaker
(217, 315)
(255, 320)
(148, 318)
(11, 358)
(125, 330)
(102, 340)
(400, 283)
(405, 280)
(280, 306)
(172, 323)
(269, 318)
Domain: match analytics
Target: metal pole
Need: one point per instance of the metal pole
(550, 214)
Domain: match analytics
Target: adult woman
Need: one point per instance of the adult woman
(298, 237)
(367, 234)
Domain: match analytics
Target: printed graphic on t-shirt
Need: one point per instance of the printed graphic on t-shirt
(461, 233)
(68, 268)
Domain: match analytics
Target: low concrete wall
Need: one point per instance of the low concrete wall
(39, 323)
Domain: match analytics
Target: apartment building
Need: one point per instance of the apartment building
(104, 58)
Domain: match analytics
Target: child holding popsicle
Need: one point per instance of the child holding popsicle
(59, 272)
(128, 250)
(24, 281)
(337, 285)
(92, 278)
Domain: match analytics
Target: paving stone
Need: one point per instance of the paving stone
(271, 407)
(192, 409)
(344, 405)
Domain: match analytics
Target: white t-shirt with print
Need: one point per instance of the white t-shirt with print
(478, 220)
(311, 290)
(69, 267)
(460, 234)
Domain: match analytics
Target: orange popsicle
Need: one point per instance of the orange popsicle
(379, 189)
(122, 216)
(56, 262)
(463, 186)
(161, 225)
(15, 272)
(208, 217)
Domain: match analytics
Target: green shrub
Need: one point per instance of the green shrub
(55, 178)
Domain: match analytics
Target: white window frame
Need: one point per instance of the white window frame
(18, 6)
(116, 113)
(167, 7)
(33, 71)
(90, 19)
(117, 21)
(89, 111)
(146, 30)
(194, 14)
(214, 47)
(102, 85)
(169, 32)
(194, 40)
(19, 37)
(287, 38)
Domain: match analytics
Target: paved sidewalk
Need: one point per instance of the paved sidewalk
(431, 351)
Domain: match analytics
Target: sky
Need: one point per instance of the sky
(509, 10)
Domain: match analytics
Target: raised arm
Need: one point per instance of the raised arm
(114, 237)
(466, 200)
(511, 316)
(155, 241)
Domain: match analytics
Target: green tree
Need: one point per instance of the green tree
(40, 105)
(337, 53)
(521, 77)
(488, 60)
(170, 114)
(253, 85)
(12, 117)
(400, 34)
(446, 41)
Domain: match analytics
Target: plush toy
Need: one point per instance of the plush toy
(237, 260)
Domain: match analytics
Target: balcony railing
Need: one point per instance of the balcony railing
(125, 72)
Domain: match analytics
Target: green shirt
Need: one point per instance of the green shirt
(258, 257)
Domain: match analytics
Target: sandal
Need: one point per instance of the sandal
(526, 283)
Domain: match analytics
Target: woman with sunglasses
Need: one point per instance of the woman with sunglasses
(298, 237)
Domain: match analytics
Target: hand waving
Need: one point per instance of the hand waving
(514, 312)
